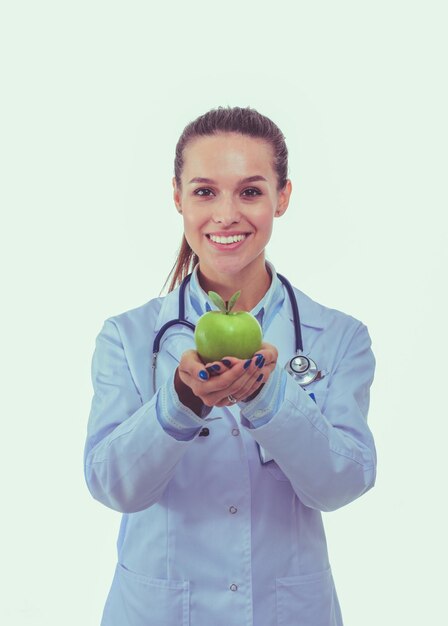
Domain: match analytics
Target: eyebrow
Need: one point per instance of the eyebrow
(209, 181)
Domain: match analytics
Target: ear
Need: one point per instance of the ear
(283, 199)
(176, 196)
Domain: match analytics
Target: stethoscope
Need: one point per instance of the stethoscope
(302, 368)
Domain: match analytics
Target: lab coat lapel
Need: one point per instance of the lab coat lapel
(281, 330)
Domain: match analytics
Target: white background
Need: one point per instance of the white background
(95, 95)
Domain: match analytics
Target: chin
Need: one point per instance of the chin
(230, 267)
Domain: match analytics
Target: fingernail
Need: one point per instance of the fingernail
(203, 374)
(259, 357)
(259, 378)
(212, 368)
(216, 367)
(261, 363)
(247, 363)
(226, 362)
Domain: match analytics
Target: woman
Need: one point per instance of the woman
(221, 470)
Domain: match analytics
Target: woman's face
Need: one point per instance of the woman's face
(228, 200)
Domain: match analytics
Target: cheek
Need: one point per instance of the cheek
(191, 240)
(266, 220)
(192, 225)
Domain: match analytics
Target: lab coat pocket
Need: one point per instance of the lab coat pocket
(307, 600)
(142, 601)
(318, 390)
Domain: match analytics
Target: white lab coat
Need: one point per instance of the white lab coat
(209, 535)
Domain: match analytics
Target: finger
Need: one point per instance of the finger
(245, 382)
(242, 375)
(269, 351)
(191, 365)
(235, 387)
(260, 381)
(220, 397)
(212, 389)
(239, 379)
(227, 378)
(245, 387)
(215, 369)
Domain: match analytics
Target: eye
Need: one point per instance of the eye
(251, 192)
(203, 192)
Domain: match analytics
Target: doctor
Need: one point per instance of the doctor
(212, 533)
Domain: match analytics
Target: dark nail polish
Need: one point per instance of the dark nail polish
(259, 357)
(247, 363)
(259, 378)
(216, 367)
(226, 362)
(203, 374)
(261, 363)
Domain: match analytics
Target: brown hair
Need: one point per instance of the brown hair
(245, 121)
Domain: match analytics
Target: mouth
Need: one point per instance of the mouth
(227, 240)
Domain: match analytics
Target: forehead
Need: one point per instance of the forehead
(228, 154)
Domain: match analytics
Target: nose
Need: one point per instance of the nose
(226, 212)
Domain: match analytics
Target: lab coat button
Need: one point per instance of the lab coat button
(204, 432)
(233, 587)
(233, 509)
(235, 432)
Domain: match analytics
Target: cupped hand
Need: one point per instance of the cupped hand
(214, 382)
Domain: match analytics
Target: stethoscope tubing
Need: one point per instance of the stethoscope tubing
(183, 322)
(180, 320)
(295, 313)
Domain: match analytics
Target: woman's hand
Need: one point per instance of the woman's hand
(213, 383)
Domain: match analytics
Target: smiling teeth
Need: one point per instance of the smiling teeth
(232, 239)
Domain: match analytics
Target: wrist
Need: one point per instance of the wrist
(253, 395)
(186, 395)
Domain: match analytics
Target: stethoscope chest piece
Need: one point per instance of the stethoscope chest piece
(303, 369)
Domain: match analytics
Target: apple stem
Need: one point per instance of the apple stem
(227, 307)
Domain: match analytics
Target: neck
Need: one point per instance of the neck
(252, 287)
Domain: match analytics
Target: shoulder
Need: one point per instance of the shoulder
(135, 321)
(336, 333)
(313, 313)
(148, 316)
(144, 313)
(340, 329)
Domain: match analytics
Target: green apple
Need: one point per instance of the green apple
(227, 333)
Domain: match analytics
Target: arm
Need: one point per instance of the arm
(133, 448)
(129, 458)
(328, 456)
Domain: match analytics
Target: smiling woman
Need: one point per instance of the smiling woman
(227, 219)
(223, 524)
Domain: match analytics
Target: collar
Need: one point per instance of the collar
(312, 314)
(264, 311)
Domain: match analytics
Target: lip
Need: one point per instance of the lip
(227, 233)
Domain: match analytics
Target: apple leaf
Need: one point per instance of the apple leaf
(233, 300)
(217, 301)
